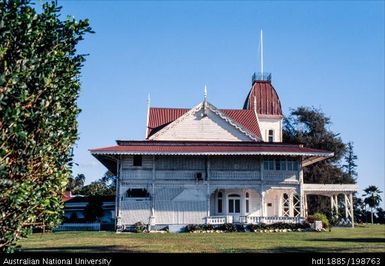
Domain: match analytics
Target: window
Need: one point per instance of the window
(295, 165)
(277, 165)
(271, 135)
(269, 204)
(137, 160)
(137, 193)
(272, 165)
(266, 165)
(283, 165)
(247, 202)
(219, 202)
(231, 206)
(292, 165)
(234, 203)
(237, 206)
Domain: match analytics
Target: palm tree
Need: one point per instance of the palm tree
(373, 198)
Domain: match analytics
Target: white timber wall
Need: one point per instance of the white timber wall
(180, 205)
(266, 124)
(178, 198)
(273, 202)
(198, 127)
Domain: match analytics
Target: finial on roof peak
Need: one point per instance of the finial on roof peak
(205, 102)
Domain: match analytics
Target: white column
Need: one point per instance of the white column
(346, 206)
(117, 196)
(305, 211)
(208, 185)
(336, 204)
(152, 217)
(332, 202)
(263, 203)
(351, 208)
(208, 200)
(301, 203)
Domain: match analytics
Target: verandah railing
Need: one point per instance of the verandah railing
(253, 219)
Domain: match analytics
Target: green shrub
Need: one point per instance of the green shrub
(292, 226)
(140, 227)
(227, 227)
(319, 217)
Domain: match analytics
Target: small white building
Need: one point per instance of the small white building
(210, 165)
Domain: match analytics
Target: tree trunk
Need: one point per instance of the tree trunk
(371, 211)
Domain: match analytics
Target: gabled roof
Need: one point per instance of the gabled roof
(161, 117)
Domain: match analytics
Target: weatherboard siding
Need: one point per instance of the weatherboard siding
(198, 127)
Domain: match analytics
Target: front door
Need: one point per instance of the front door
(234, 206)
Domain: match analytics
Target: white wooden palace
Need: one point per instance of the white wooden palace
(210, 165)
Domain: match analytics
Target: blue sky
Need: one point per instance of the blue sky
(329, 55)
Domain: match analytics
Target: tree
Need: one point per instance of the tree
(372, 198)
(309, 126)
(350, 160)
(110, 180)
(380, 215)
(76, 184)
(94, 209)
(39, 86)
(104, 186)
(359, 209)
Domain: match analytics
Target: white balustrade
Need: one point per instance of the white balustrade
(216, 220)
(78, 227)
(253, 219)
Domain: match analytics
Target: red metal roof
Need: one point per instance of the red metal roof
(267, 99)
(209, 147)
(161, 117)
(67, 196)
(246, 118)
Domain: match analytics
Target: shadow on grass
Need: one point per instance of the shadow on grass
(356, 240)
(301, 250)
(91, 249)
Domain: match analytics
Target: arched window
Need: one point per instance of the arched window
(137, 193)
(220, 202)
(285, 205)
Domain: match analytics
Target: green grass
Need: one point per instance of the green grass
(366, 238)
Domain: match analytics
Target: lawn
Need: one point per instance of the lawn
(364, 238)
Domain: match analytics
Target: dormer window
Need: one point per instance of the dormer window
(137, 160)
(271, 135)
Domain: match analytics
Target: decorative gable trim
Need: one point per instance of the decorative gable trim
(176, 122)
(233, 123)
(205, 106)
